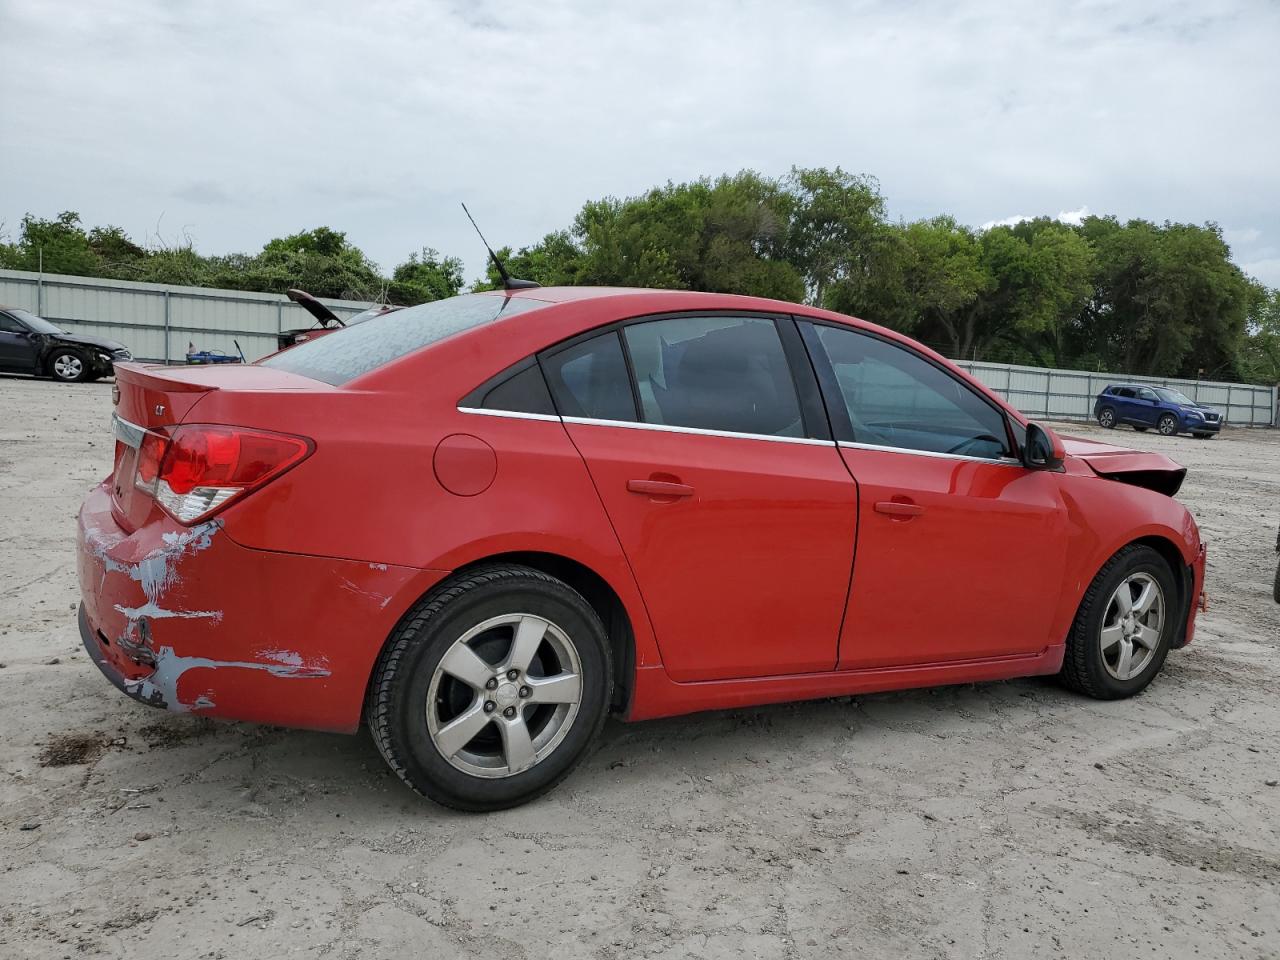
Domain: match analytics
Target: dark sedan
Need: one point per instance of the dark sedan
(31, 344)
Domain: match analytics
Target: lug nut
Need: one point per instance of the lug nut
(512, 674)
(525, 691)
(490, 706)
(509, 713)
(491, 683)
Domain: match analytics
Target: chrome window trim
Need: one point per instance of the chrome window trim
(514, 414)
(696, 431)
(911, 451)
(127, 432)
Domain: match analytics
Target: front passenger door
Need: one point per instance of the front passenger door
(961, 549)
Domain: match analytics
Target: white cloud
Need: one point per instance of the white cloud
(1072, 217)
(248, 120)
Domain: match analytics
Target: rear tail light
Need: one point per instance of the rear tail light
(197, 469)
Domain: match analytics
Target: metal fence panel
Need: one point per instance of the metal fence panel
(157, 322)
(1069, 394)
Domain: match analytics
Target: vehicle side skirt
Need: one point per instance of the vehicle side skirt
(656, 695)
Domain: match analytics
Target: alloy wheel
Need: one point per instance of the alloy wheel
(504, 695)
(1168, 425)
(1107, 418)
(1132, 626)
(68, 366)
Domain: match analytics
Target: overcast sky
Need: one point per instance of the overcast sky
(241, 120)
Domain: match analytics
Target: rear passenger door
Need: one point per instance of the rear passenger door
(719, 475)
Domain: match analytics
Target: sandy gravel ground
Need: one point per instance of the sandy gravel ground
(998, 820)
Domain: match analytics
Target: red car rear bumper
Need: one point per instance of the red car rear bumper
(186, 619)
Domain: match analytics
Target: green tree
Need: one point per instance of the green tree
(1259, 354)
(1167, 299)
(838, 235)
(59, 245)
(424, 277)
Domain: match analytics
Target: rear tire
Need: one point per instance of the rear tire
(1110, 654)
(1168, 425)
(474, 701)
(68, 366)
(1107, 418)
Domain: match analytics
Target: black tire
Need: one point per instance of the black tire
(1107, 418)
(1083, 668)
(1168, 425)
(67, 365)
(1141, 429)
(1275, 592)
(396, 708)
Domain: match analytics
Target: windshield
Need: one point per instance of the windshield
(356, 349)
(1173, 396)
(38, 324)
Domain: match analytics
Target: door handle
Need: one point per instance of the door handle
(896, 508)
(660, 488)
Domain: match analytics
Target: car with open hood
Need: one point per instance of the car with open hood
(1144, 406)
(482, 525)
(31, 344)
(329, 322)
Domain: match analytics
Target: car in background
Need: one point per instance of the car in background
(481, 525)
(329, 321)
(1168, 410)
(31, 344)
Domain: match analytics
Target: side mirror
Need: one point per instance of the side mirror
(1043, 449)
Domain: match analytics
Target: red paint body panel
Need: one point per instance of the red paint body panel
(965, 579)
(747, 576)
(736, 593)
(251, 634)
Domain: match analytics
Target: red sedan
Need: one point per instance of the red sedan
(483, 524)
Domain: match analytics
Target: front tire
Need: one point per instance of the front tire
(1107, 418)
(1124, 626)
(1168, 425)
(491, 689)
(69, 366)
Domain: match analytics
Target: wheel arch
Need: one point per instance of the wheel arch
(599, 593)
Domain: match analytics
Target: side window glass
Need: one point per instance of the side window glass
(896, 398)
(1124, 392)
(10, 325)
(1146, 394)
(525, 392)
(589, 379)
(714, 373)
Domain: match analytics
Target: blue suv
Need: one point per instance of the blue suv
(1167, 410)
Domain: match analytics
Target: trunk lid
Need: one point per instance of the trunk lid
(153, 398)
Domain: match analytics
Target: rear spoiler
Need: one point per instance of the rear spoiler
(166, 379)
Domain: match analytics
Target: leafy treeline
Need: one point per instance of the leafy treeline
(1139, 297)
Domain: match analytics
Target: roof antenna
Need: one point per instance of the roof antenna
(508, 281)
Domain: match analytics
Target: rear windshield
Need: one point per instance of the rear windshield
(355, 350)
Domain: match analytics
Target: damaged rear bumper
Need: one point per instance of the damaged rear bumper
(187, 619)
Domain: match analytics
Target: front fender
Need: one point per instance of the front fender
(1104, 516)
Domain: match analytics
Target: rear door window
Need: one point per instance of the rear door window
(714, 373)
(588, 379)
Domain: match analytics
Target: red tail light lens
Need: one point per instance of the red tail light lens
(203, 467)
